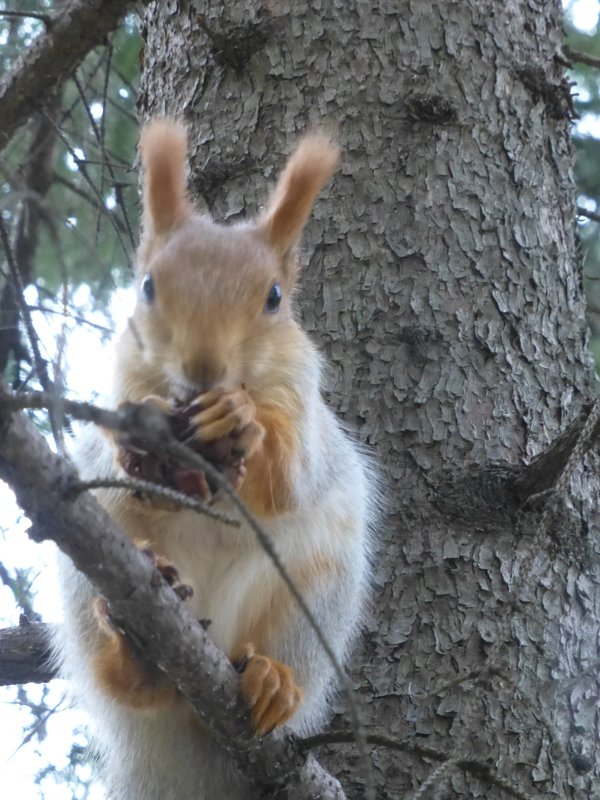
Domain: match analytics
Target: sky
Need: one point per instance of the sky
(88, 360)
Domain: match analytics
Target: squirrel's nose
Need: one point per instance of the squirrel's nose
(204, 374)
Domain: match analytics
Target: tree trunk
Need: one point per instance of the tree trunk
(442, 282)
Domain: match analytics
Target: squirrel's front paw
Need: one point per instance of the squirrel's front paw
(168, 570)
(222, 413)
(269, 688)
(137, 461)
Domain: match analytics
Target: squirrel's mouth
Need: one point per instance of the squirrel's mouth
(184, 393)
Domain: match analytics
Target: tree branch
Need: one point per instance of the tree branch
(583, 212)
(45, 18)
(24, 654)
(542, 472)
(581, 58)
(36, 182)
(53, 56)
(148, 609)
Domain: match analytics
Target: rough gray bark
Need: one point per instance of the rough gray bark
(443, 284)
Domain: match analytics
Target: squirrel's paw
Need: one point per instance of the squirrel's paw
(169, 572)
(269, 688)
(229, 413)
(164, 568)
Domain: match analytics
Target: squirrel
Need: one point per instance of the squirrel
(215, 329)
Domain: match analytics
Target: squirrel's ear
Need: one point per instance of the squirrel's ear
(163, 145)
(307, 171)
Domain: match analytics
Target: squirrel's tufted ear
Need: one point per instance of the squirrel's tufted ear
(163, 145)
(307, 171)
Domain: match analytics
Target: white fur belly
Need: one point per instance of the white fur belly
(226, 570)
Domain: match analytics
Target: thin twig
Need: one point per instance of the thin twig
(128, 85)
(80, 162)
(106, 163)
(146, 487)
(582, 58)
(66, 313)
(150, 612)
(40, 363)
(583, 212)
(39, 723)
(184, 454)
(53, 56)
(47, 20)
(102, 137)
(116, 163)
(93, 201)
(55, 411)
(68, 111)
(122, 110)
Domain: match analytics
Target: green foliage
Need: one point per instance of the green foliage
(89, 214)
(586, 140)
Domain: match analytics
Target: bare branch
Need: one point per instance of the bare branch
(178, 499)
(76, 318)
(81, 166)
(543, 471)
(53, 56)
(24, 654)
(583, 212)
(45, 18)
(37, 179)
(40, 364)
(582, 58)
(106, 162)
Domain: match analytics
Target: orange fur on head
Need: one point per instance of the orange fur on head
(163, 145)
(307, 171)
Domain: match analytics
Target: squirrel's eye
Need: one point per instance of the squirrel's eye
(148, 289)
(273, 300)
